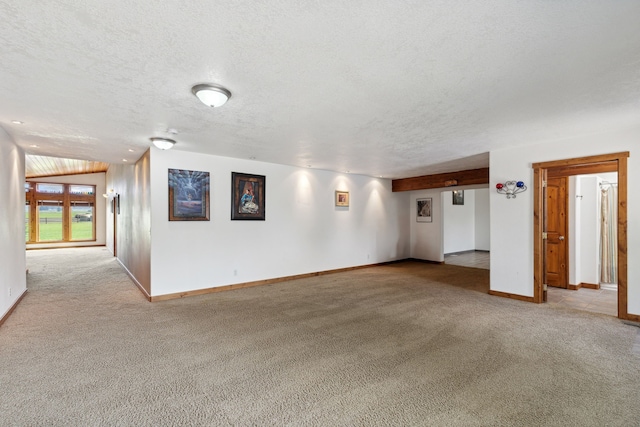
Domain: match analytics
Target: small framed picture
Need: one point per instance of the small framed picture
(247, 196)
(342, 198)
(424, 210)
(458, 197)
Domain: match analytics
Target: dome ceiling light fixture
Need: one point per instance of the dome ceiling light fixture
(211, 95)
(163, 143)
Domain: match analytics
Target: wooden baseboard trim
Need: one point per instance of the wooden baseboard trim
(511, 296)
(235, 286)
(583, 285)
(135, 281)
(632, 317)
(64, 247)
(426, 261)
(13, 307)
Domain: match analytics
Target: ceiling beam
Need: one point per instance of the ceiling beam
(441, 180)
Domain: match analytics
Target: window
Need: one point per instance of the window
(60, 213)
(86, 190)
(27, 221)
(50, 188)
(81, 220)
(49, 220)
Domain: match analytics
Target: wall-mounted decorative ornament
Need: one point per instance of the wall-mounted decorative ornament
(511, 188)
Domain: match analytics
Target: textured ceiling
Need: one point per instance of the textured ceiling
(381, 88)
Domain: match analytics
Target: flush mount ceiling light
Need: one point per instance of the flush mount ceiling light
(163, 143)
(211, 95)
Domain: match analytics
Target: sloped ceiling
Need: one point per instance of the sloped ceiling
(38, 166)
(381, 88)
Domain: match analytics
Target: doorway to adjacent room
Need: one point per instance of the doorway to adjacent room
(550, 250)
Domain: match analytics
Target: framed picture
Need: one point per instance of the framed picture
(342, 198)
(458, 197)
(424, 210)
(188, 195)
(247, 196)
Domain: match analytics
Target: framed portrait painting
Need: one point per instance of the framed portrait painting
(247, 196)
(342, 198)
(188, 195)
(424, 210)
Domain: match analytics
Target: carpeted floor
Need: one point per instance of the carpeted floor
(403, 344)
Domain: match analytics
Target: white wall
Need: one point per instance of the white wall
(13, 282)
(97, 179)
(459, 222)
(482, 220)
(512, 220)
(589, 230)
(427, 238)
(132, 183)
(303, 233)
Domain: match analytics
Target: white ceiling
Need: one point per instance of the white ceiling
(381, 88)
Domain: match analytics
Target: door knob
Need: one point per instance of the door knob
(561, 238)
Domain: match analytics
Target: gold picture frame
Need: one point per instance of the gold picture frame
(342, 198)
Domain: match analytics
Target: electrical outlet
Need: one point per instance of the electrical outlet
(9, 291)
(235, 272)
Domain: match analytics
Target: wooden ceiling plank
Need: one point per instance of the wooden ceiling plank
(43, 166)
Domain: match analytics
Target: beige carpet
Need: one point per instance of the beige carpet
(404, 344)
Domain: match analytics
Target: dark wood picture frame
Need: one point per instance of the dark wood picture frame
(248, 196)
(424, 210)
(458, 197)
(188, 195)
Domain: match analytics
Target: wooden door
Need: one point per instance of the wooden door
(555, 225)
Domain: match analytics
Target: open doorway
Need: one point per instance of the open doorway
(590, 269)
(465, 231)
(544, 251)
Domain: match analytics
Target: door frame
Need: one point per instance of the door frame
(615, 162)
